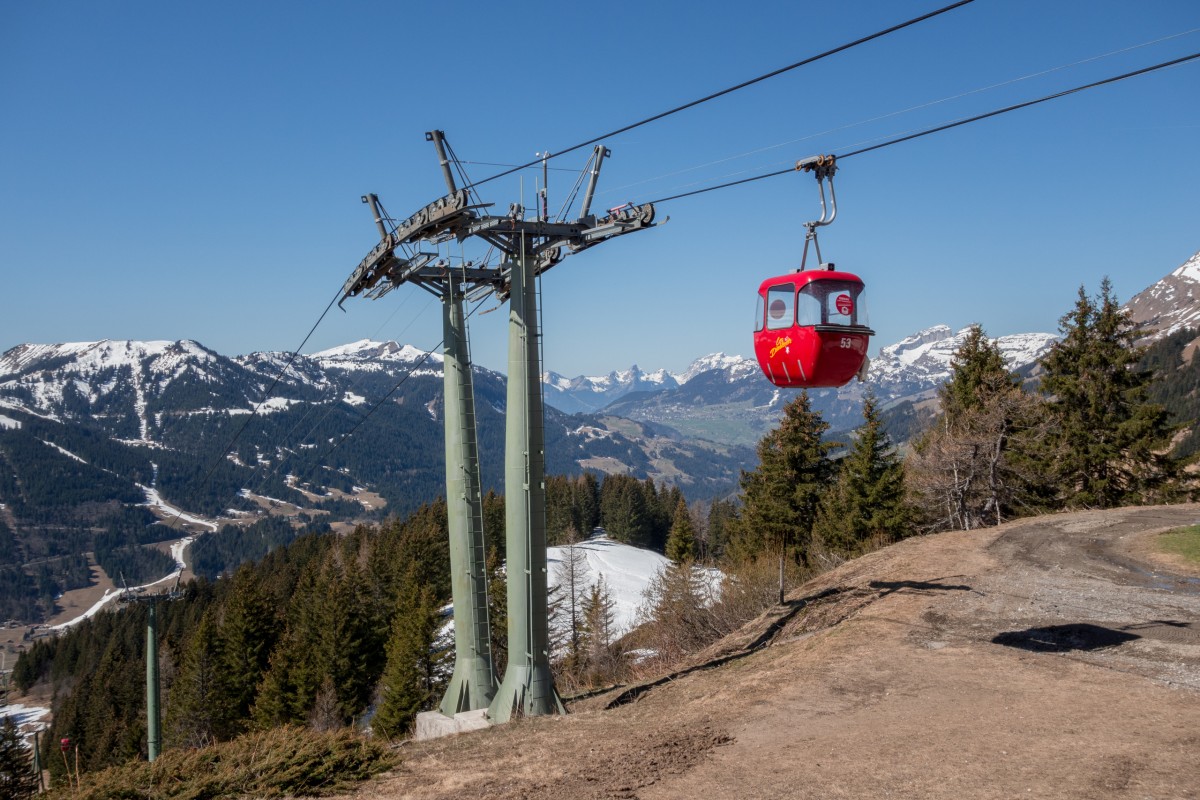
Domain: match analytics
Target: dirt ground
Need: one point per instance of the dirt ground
(1044, 658)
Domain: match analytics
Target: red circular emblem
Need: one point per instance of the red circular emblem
(777, 309)
(844, 304)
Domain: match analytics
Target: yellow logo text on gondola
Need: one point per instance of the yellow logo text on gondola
(780, 343)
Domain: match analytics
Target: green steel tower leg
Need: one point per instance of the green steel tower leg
(153, 734)
(473, 684)
(528, 686)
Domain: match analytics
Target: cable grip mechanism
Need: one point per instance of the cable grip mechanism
(822, 167)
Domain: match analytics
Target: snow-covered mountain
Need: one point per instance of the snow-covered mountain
(181, 403)
(371, 356)
(1170, 304)
(125, 386)
(586, 394)
(921, 362)
(727, 399)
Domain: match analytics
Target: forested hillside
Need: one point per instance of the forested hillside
(310, 632)
(1176, 370)
(94, 434)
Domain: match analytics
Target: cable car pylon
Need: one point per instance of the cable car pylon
(153, 693)
(529, 248)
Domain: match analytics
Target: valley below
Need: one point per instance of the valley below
(1050, 657)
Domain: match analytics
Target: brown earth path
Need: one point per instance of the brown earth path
(1044, 658)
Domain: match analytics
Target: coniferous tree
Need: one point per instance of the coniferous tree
(973, 466)
(722, 516)
(681, 544)
(17, 780)
(867, 502)
(674, 616)
(248, 632)
(570, 574)
(494, 522)
(623, 510)
(200, 710)
(586, 503)
(599, 634)
(658, 517)
(977, 373)
(294, 674)
(349, 642)
(1109, 445)
(414, 676)
(780, 497)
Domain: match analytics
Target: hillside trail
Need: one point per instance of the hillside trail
(1052, 657)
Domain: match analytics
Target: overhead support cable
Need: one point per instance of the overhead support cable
(897, 113)
(945, 127)
(1026, 104)
(730, 90)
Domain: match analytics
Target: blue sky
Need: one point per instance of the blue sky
(194, 170)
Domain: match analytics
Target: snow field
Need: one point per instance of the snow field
(627, 570)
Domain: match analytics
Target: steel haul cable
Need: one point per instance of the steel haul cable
(945, 127)
(731, 89)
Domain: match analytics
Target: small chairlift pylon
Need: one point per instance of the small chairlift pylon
(811, 329)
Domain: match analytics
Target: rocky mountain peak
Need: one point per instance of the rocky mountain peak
(1171, 304)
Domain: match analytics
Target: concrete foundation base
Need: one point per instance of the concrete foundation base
(435, 724)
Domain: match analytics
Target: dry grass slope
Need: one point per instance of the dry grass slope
(277, 763)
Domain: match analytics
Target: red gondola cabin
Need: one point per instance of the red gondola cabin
(811, 328)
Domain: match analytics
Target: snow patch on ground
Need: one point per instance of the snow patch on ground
(1190, 270)
(273, 404)
(627, 570)
(9, 423)
(591, 433)
(27, 718)
(7, 403)
(64, 451)
(110, 595)
(154, 499)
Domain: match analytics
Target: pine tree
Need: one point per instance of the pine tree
(623, 510)
(658, 517)
(248, 632)
(977, 373)
(780, 497)
(681, 544)
(413, 677)
(349, 644)
(295, 670)
(17, 780)
(867, 503)
(972, 467)
(1109, 445)
(569, 576)
(599, 622)
(586, 503)
(674, 616)
(200, 709)
(722, 516)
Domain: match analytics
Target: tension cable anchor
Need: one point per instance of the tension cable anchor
(822, 167)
